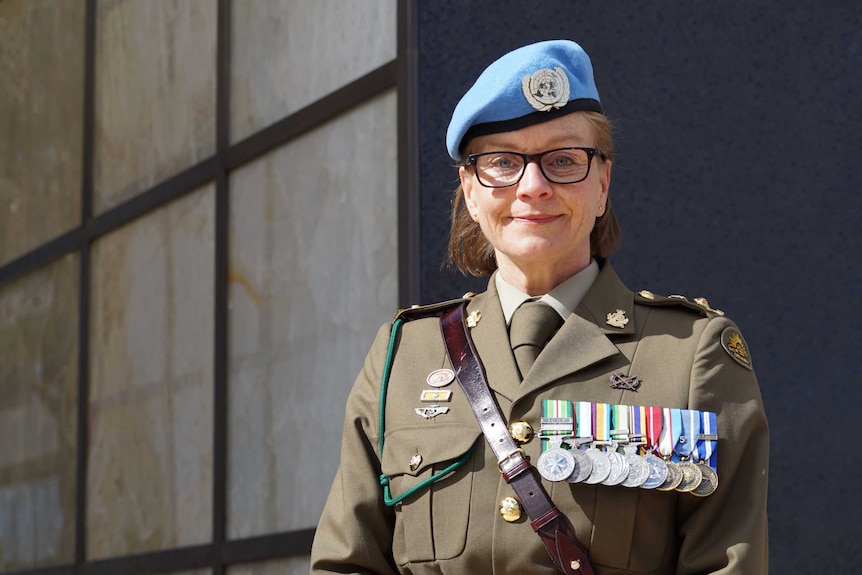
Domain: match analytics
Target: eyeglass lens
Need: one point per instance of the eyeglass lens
(564, 166)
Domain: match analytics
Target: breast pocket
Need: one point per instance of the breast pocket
(431, 523)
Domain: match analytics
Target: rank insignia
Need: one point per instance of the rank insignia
(735, 346)
(623, 381)
(702, 302)
(617, 319)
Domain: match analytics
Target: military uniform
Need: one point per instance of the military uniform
(679, 352)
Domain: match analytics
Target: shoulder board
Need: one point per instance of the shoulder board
(698, 304)
(433, 309)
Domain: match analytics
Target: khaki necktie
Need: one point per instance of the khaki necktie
(533, 324)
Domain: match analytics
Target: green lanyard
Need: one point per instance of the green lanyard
(384, 479)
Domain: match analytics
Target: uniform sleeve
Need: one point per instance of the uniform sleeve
(726, 532)
(354, 534)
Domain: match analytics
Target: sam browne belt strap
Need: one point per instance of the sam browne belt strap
(564, 548)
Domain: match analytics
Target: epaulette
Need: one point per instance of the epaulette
(698, 304)
(433, 309)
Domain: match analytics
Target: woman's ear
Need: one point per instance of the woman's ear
(467, 183)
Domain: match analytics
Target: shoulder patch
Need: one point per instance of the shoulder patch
(433, 309)
(735, 346)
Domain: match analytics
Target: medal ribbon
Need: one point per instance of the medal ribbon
(584, 421)
(707, 440)
(690, 433)
(620, 422)
(671, 428)
(637, 425)
(653, 428)
(601, 422)
(557, 409)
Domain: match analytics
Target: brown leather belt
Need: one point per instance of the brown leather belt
(566, 551)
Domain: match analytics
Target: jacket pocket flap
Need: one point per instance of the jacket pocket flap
(410, 451)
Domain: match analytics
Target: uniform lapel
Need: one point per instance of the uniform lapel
(491, 339)
(583, 340)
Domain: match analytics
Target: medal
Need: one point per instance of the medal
(691, 473)
(602, 439)
(583, 463)
(670, 431)
(706, 455)
(556, 463)
(638, 466)
(601, 465)
(657, 465)
(618, 422)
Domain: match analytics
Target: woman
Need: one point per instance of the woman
(433, 472)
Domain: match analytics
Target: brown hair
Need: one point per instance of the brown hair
(472, 253)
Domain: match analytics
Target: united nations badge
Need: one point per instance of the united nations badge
(735, 346)
(546, 89)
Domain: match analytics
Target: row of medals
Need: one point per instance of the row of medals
(602, 463)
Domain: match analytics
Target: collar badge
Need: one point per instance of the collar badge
(546, 89)
(617, 319)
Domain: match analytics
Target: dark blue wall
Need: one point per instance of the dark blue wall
(738, 178)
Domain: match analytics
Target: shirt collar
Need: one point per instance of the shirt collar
(564, 298)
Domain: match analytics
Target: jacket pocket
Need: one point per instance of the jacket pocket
(634, 529)
(431, 523)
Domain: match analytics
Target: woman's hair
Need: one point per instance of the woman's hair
(472, 253)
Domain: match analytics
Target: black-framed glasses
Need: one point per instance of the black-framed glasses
(560, 166)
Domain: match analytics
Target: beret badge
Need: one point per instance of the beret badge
(546, 89)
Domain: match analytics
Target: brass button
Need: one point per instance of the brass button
(521, 431)
(510, 509)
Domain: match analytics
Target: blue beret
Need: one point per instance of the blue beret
(532, 84)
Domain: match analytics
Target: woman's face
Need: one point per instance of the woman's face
(539, 230)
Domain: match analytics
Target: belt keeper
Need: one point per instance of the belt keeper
(523, 466)
(545, 519)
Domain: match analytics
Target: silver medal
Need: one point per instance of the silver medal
(583, 463)
(639, 470)
(556, 464)
(601, 465)
(619, 468)
(657, 471)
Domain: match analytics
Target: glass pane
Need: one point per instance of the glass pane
(290, 566)
(287, 54)
(38, 416)
(313, 269)
(149, 477)
(155, 93)
(41, 98)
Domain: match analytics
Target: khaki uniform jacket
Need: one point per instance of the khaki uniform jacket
(453, 525)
